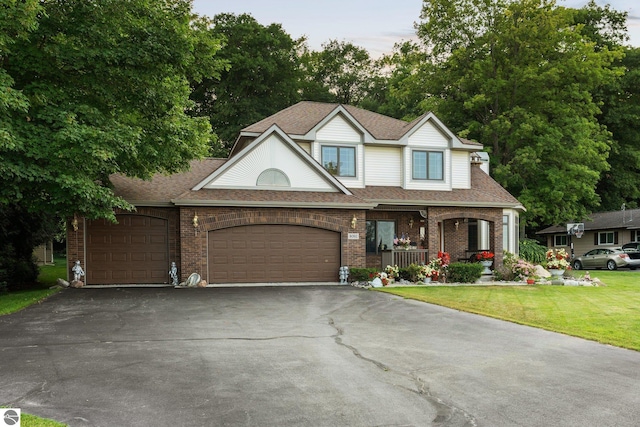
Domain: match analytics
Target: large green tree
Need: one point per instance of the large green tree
(519, 76)
(88, 89)
(341, 72)
(262, 76)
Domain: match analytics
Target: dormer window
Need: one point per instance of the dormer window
(339, 161)
(428, 165)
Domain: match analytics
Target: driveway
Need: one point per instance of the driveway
(301, 356)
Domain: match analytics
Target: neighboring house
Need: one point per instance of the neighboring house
(44, 253)
(309, 189)
(601, 229)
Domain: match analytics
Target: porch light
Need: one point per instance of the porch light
(411, 222)
(74, 223)
(457, 224)
(195, 220)
(354, 221)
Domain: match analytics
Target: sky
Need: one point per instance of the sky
(375, 25)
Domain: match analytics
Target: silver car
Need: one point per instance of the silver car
(609, 258)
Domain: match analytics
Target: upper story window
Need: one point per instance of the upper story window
(339, 161)
(428, 165)
(273, 178)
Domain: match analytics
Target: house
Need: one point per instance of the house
(601, 229)
(311, 188)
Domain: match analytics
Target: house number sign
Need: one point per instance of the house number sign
(354, 236)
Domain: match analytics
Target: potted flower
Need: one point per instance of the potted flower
(557, 262)
(392, 272)
(438, 265)
(426, 273)
(402, 242)
(486, 259)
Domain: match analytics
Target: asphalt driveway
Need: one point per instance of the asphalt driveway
(301, 356)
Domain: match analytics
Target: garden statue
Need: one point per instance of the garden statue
(78, 272)
(173, 273)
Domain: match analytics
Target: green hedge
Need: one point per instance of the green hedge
(464, 272)
(361, 274)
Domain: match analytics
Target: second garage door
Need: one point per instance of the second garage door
(273, 253)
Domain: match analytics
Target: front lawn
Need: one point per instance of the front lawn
(608, 314)
(17, 300)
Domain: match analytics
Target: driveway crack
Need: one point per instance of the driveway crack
(446, 414)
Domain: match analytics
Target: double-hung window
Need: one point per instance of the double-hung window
(428, 165)
(339, 161)
(560, 240)
(606, 238)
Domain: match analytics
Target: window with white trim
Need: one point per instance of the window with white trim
(339, 161)
(505, 231)
(607, 238)
(428, 165)
(560, 240)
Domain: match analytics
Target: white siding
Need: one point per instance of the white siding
(338, 129)
(383, 166)
(272, 153)
(429, 136)
(460, 169)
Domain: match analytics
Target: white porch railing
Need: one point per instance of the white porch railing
(404, 257)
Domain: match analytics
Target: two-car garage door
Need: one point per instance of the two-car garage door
(135, 251)
(273, 253)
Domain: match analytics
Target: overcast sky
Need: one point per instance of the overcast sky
(375, 25)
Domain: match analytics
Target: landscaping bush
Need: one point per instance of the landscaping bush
(464, 272)
(361, 274)
(532, 251)
(412, 272)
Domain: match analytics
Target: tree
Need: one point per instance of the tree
(88, 89)
(342, 72)
(519, 76)
(262, 77)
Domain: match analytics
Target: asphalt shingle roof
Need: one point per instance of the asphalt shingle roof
(629, 218)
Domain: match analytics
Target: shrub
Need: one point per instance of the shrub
(362, 274)
(461, 272)
(532, 251)
(414, 271)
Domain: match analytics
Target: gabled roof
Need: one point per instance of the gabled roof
(627, 219)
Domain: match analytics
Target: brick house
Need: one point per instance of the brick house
(309, 189)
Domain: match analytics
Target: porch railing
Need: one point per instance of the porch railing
(404, 257)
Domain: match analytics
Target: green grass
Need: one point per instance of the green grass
(17, 300)
(27, 420)
(608, 314)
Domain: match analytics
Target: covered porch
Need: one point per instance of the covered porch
(460, 231)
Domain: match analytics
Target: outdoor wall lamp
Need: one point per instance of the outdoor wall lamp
(74, 223)
(195, 220)
(354, 221)
(411, 222)
(457, 224)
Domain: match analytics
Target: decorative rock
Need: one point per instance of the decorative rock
(62, 283)
(541, 272)
(77, 284)
(376, 283)
(202, 284)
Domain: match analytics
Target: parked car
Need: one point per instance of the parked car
(609, 258)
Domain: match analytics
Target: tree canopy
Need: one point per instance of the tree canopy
(262, 76)
(519, 76)
(100, 87)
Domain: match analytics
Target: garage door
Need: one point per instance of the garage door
(133, 251)
(273, 253)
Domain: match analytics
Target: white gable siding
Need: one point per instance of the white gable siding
(460, 169)
(271, 153)
(383, 166)
(429, 136)
(338, 129)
